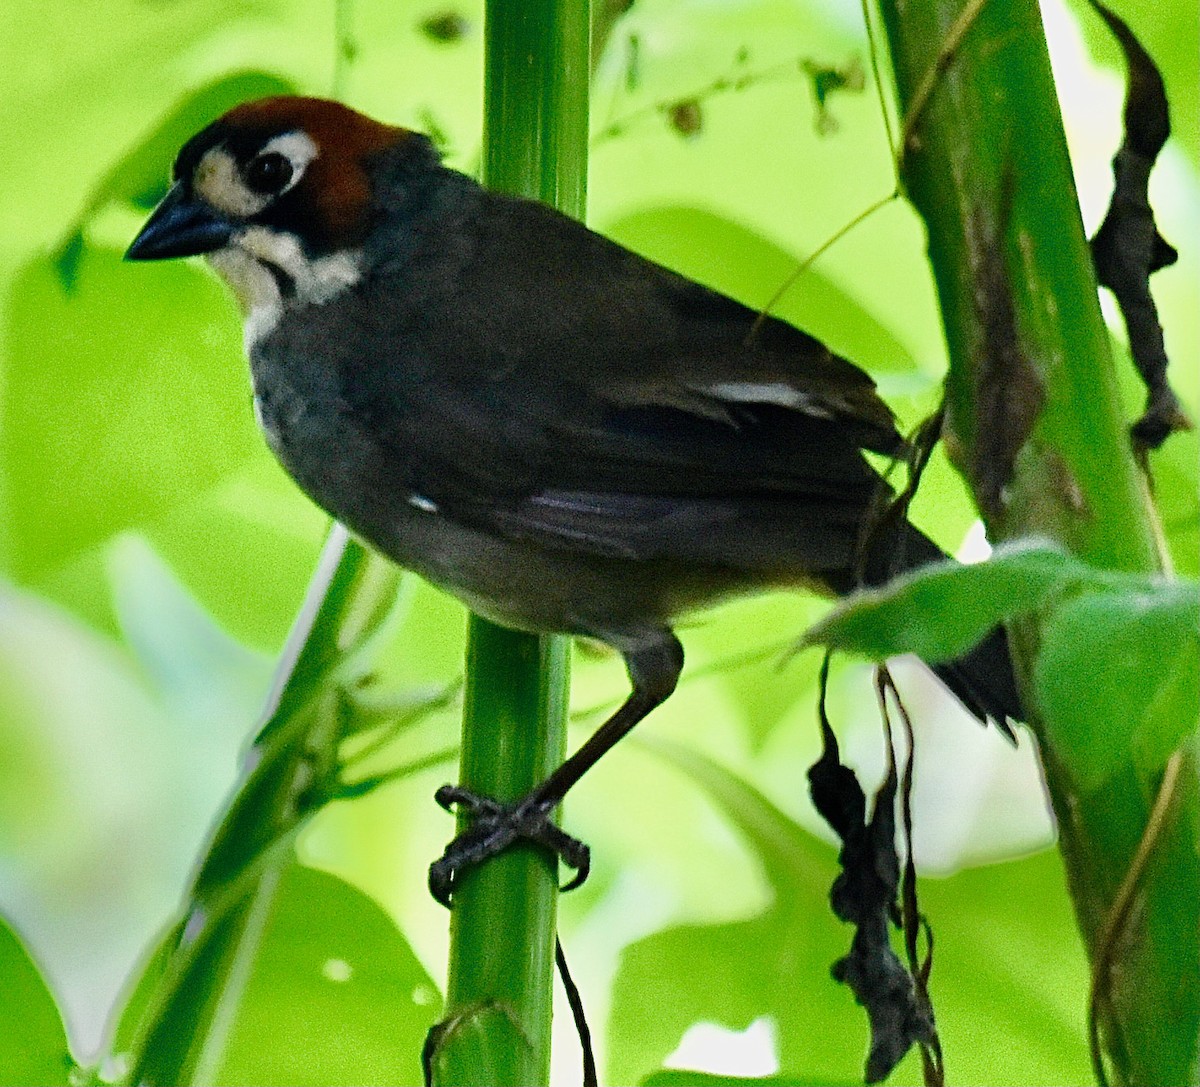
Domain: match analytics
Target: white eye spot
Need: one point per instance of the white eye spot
(298, 148)
(337, 970)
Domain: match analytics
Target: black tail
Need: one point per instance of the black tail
(982, 678)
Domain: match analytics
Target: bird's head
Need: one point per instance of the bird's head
(279, 194)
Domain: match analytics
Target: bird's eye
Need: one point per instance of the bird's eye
(268, 173)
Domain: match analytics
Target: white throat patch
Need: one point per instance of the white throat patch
(267, 268)
(243, 264)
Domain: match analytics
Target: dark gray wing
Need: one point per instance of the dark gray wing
(554, 386)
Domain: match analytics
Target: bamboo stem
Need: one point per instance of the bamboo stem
(1035, 425)
(499, 994)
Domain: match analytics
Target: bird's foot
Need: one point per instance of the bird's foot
(494, 828)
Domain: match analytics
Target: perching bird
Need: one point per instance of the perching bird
(565, 435)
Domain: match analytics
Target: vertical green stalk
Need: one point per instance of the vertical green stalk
(180, 1021)
(1032, 405)
(502, 928)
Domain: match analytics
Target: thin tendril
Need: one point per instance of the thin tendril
(812, 258)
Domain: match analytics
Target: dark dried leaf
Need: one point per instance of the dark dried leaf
(446, 27)
(1128, 248)
(686, 117)
(865, 895)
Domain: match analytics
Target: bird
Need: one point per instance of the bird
(565, 435)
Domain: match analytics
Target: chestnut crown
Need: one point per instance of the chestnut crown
(291, 164)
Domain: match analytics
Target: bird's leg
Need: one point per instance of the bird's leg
(654, 665)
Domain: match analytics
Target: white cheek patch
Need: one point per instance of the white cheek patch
(317, 280)
(218, 182)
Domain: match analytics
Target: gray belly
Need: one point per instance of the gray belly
(509, 580)
(347, 475)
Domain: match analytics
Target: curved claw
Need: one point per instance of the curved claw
(451, 796)
(582, 869)
(447, 796)
(571, 851)
(494, 828)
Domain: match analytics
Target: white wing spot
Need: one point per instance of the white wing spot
(420, 502)
(768, 392)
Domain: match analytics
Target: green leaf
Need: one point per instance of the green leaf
(320, 988)
(246, 548)
(200, 672)
(1117, 670)
(737, 972)
(336, 989)
(740, 652)
(123, 399)
(1119, 674)
(142, 176)
(941, 610)
(33, 1043)
(139, 993)
(103, 799)
(1009, 975)
(750, 267)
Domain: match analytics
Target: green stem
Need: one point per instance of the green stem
(181, 1025)
(499, 993)
(1035, 424)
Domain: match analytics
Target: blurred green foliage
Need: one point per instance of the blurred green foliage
(153, 558)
